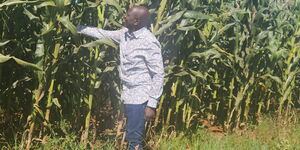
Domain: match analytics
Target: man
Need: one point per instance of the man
(141, 70)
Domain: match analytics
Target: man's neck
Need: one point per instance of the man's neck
(131, 30)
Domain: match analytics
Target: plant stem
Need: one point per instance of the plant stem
(160, 14)
(50, 90)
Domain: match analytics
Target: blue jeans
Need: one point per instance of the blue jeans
(135, 124)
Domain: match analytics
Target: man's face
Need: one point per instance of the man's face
(130, 19)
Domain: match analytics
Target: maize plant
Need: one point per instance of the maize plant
(226, 61)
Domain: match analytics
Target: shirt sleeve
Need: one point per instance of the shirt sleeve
(154, 64)
(100, 33)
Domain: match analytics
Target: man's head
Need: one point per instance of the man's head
(136, 18)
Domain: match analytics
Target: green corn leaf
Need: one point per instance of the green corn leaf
(98, 71)
(93, 4)
(55, 101)
(196, 15)
(46, 3)
(221, 50)
(239, 98)
(275, 78)
(19, 61)
(46, 29)
(159, 17)
(178, 104)
(203, 37)
(37, 108)
(97, 84)
(3, 42)
(109, 69)
(60, 4)
(66, 22)
(26, 64)
(207, 54)
(115, 4)
(198, 74)
(188, 28)
(40, 49)
(15, 2)
(226, 27)
(4, 59)
(29, 14)
(170, 22)
(182, 73)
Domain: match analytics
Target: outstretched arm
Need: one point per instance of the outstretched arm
(100, 33)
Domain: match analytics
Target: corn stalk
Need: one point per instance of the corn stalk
(93, 76)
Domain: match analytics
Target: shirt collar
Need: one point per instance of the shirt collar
(136, 33)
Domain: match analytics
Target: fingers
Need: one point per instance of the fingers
(148, 118)
(149, 114)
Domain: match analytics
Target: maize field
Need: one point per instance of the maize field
(226, 61)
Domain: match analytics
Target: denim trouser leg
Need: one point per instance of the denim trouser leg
(135, 126)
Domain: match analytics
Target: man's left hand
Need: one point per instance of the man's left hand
(149, 113)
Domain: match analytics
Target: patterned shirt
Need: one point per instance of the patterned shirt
(141, 65)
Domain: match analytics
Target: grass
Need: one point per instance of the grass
(270, 134)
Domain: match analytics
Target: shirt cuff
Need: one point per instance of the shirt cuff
(152, 103)
(79, 28)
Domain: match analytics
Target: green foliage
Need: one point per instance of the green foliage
(4, 59)
(226, 61)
